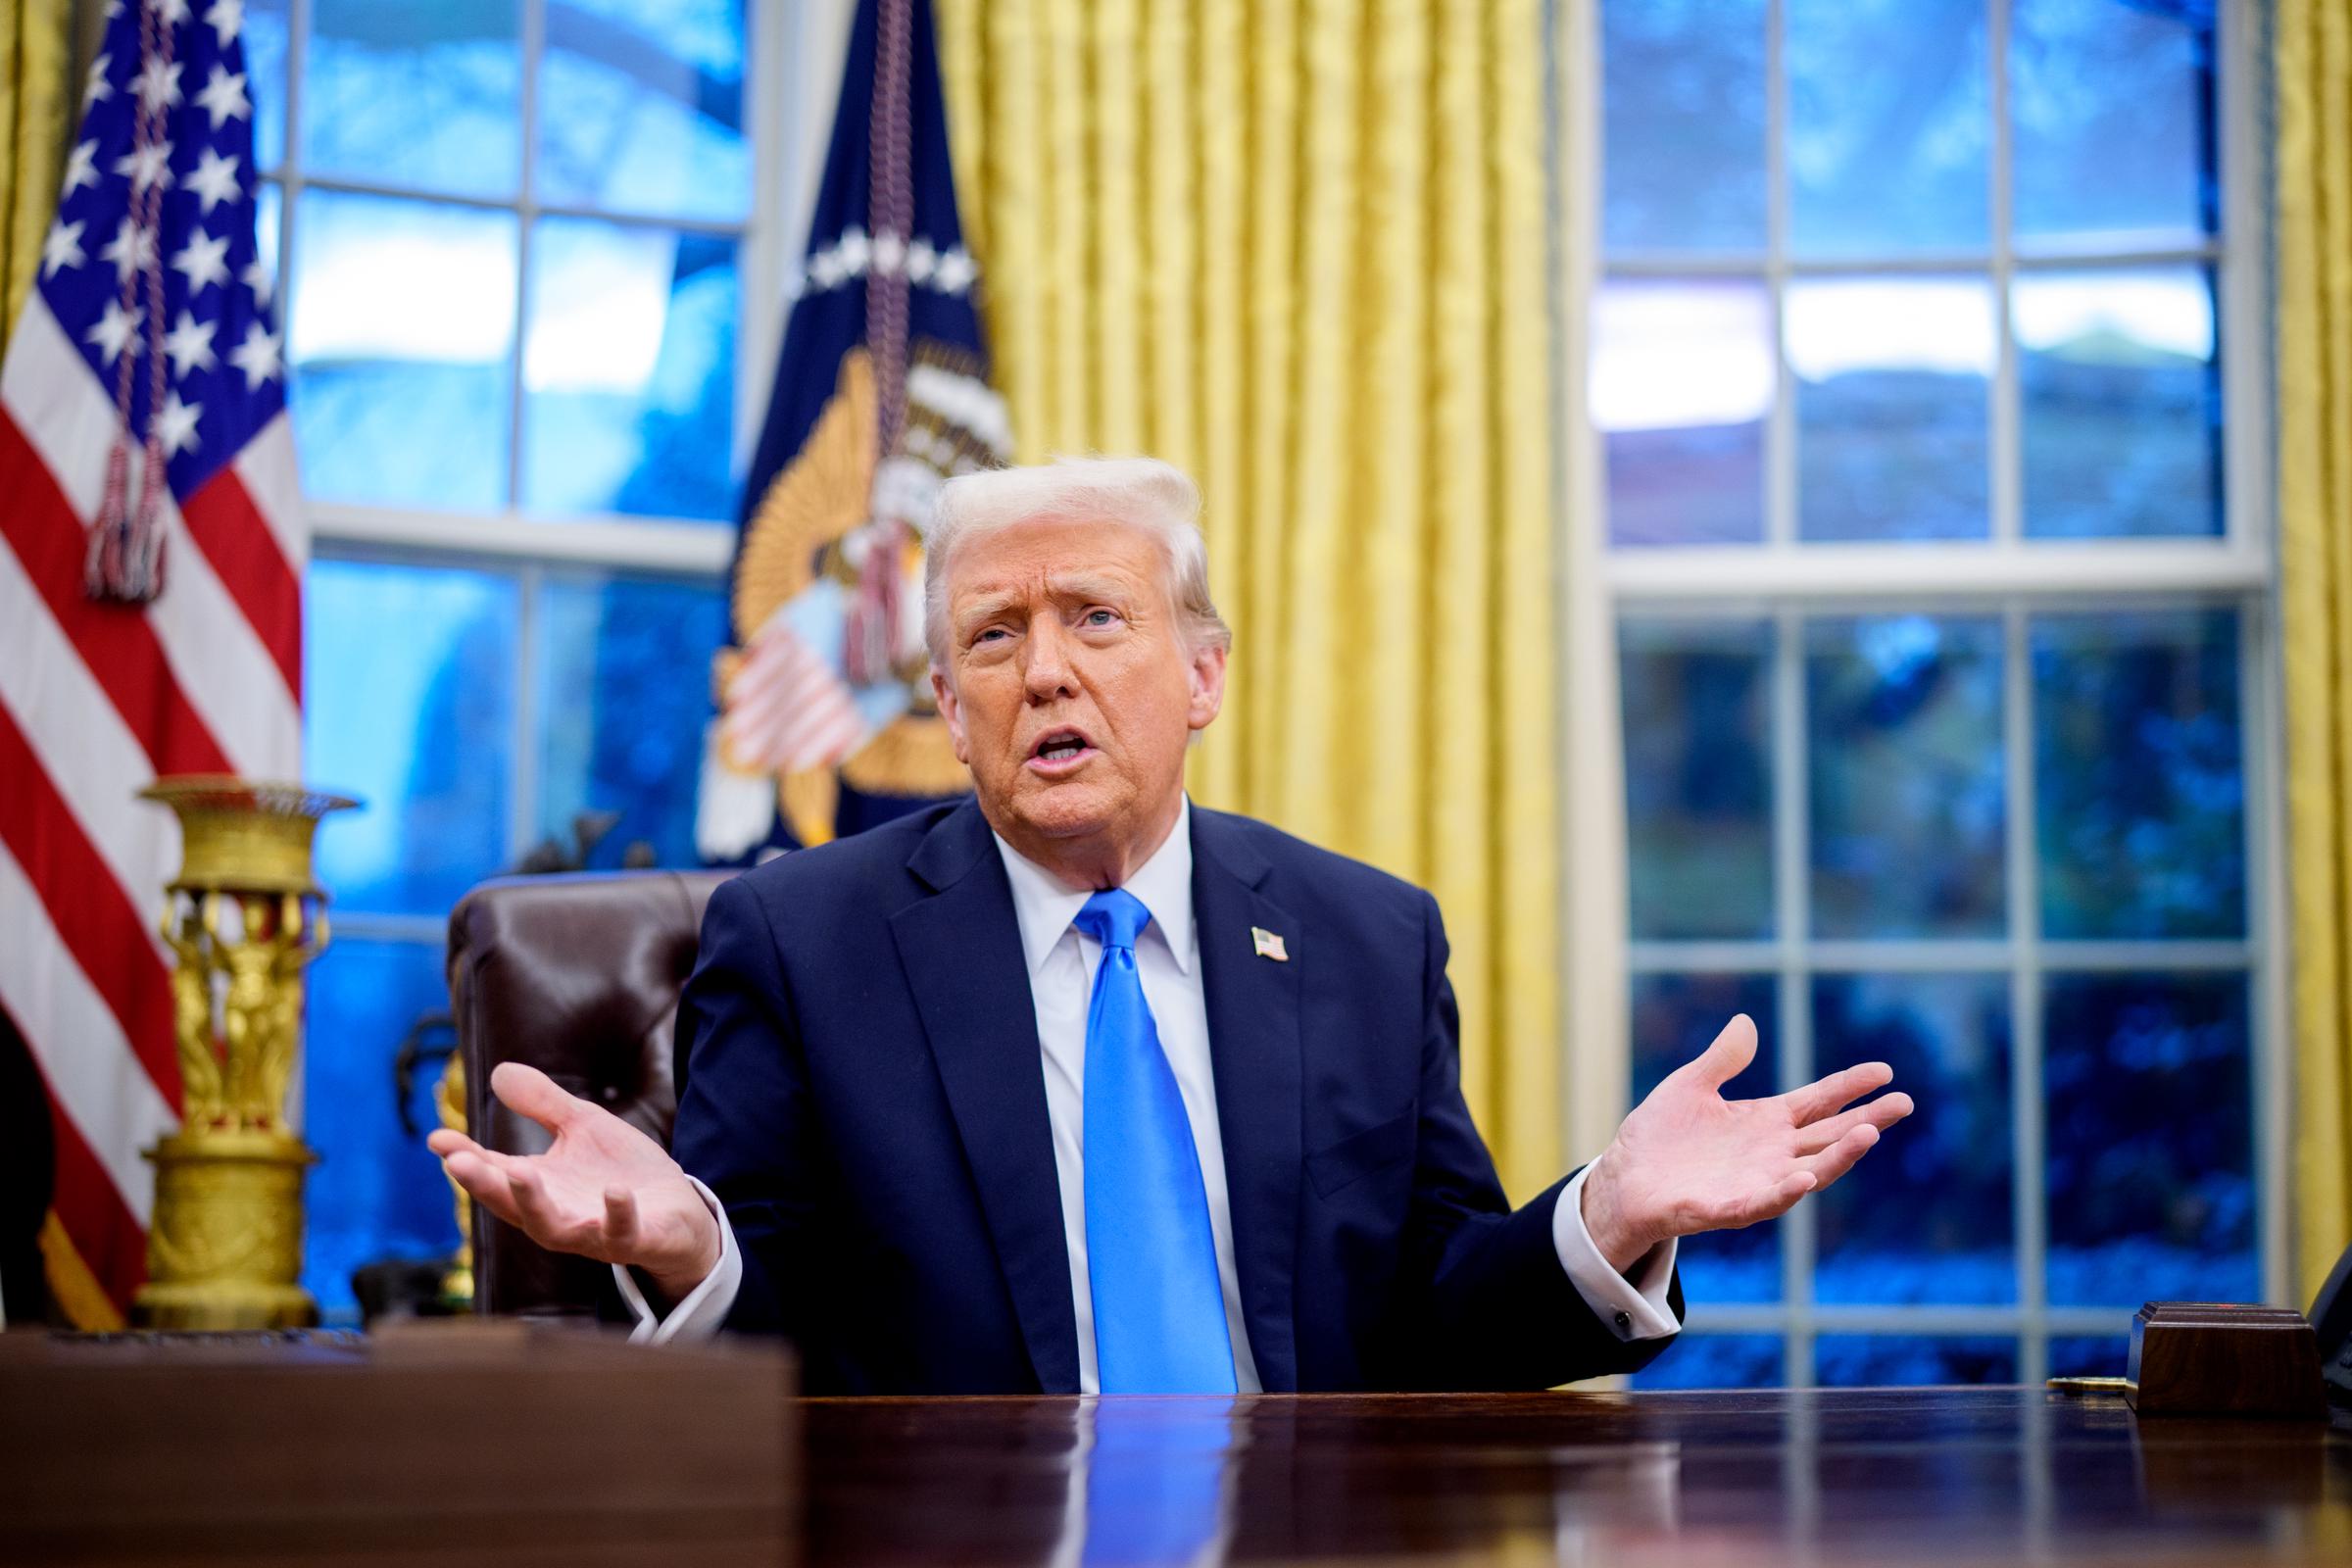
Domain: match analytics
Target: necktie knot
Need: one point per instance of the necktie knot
(1114, 918)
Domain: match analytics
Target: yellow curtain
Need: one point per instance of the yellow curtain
(37, 108)
(1299, 247)
(2313, 67)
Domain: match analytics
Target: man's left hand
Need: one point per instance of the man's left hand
(1690, 1160)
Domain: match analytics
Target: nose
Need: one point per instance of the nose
(1046, 673)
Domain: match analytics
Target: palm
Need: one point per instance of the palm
(1687, 1160)
(602, 1189)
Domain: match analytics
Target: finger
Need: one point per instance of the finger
(1769, 1205)
(528, 1091)
(1728, 1055)
(485, 1184)
(1826, 1095)
(540, 1214)
(448, 1141)
(1881, 1113)
(621, 1216)
(1840, 1158)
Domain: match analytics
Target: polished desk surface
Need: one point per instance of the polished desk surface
(1892, 1475)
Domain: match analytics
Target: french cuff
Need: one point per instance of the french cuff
(1634, 1304)
(704, 1308)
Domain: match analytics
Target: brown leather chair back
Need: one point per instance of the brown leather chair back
(578, 977)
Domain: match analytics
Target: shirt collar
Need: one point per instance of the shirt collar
(1163, 884)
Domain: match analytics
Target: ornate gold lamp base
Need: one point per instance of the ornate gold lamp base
(227, 1242)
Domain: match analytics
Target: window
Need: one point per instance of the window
(1937, 547)
(519, 242)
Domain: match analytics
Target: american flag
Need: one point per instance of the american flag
(150, 551)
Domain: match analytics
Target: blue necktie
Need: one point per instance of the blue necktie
(1159, 1313)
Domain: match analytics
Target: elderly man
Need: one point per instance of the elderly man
(1075, 1088)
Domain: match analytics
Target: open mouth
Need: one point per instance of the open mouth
(1059, 749)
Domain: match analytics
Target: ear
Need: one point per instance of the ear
(951, 710)
(1206, 674)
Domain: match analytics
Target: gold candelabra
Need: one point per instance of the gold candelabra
(243, 919)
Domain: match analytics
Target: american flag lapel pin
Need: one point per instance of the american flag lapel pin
(1268, 945)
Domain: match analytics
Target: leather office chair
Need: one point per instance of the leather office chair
(576, 975)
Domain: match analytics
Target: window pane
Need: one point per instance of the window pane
(2121, 397)
(1887, 126)
(265, 41)
(2092, 1355)
(641, 107)
(1683, 106)
(2151, 1172)
(1675, 1016)
(1904, 1360)
(409, 702)
(1903, 722)
(1681, 381)
(1926, 1217)
(1892, 379)
(424, 96)
(376, 1191)
(630, 371)
(2137, 772)
(625, 687)
(2113, 106)
(403, 329)
(1715, 1361)
(1697, 777)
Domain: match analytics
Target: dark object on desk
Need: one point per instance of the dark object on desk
(455, 1437)
(2211, 1358)
(2332, 1319)
(579, 977)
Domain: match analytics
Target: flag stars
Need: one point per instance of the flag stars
(226, 19)
(158, 85)
(147, 165)
(223, 97)
(259, 356)
(82, 168)
(131, 250)
(63, 247)
(189, 344)
(215, 178)
(203, 262)
(176, 425)
(113, 331)
(260, 279)
(98, 89)
(172, 13)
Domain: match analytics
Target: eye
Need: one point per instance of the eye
(1100, 616)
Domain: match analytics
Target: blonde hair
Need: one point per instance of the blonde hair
(1144, 493)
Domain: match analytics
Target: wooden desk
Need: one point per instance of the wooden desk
(1941, 1476)
(514, 1450)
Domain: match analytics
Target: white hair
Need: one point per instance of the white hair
(1141, 492)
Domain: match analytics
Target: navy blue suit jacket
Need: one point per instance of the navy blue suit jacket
(861, 1086)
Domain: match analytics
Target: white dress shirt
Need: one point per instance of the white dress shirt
(1061, 962)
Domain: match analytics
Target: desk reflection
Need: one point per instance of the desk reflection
(1979, 1475)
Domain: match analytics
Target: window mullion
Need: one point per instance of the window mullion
(1779, 424)
(1790, 883)
(2007, 448)
(526, 211)
(2028, 1177)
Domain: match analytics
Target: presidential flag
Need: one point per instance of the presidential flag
(151, 550)
(881, 393)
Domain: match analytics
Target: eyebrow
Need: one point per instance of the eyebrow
(1085, 586)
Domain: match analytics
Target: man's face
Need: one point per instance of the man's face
(1070, 690)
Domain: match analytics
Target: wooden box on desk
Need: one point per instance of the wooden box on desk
(478, 1437)
(2219, 1358)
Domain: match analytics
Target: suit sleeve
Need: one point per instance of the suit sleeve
(1488, 1304)
(745, 1128)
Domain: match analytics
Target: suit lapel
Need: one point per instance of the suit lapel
(961, 949)
(1254, 1047)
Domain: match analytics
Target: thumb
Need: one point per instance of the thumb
(1728, 1057)
(528, 1091)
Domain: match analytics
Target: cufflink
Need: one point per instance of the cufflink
(1624, 1321)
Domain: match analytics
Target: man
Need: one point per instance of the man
(1074, 1088)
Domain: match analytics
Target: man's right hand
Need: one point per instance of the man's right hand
(603, 1190)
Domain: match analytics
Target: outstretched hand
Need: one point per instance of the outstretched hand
(604, 1189)
(1687, 1160)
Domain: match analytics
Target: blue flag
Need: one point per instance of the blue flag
(881, 394)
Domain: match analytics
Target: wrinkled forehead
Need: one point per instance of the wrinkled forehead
(1056, 557)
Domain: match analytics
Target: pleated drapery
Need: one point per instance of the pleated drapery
(1299, 247)
(36, 110)
(2313, 64)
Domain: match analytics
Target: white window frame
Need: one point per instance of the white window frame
(1785, 581)
(793, 53)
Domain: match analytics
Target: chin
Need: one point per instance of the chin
(1065, 811)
